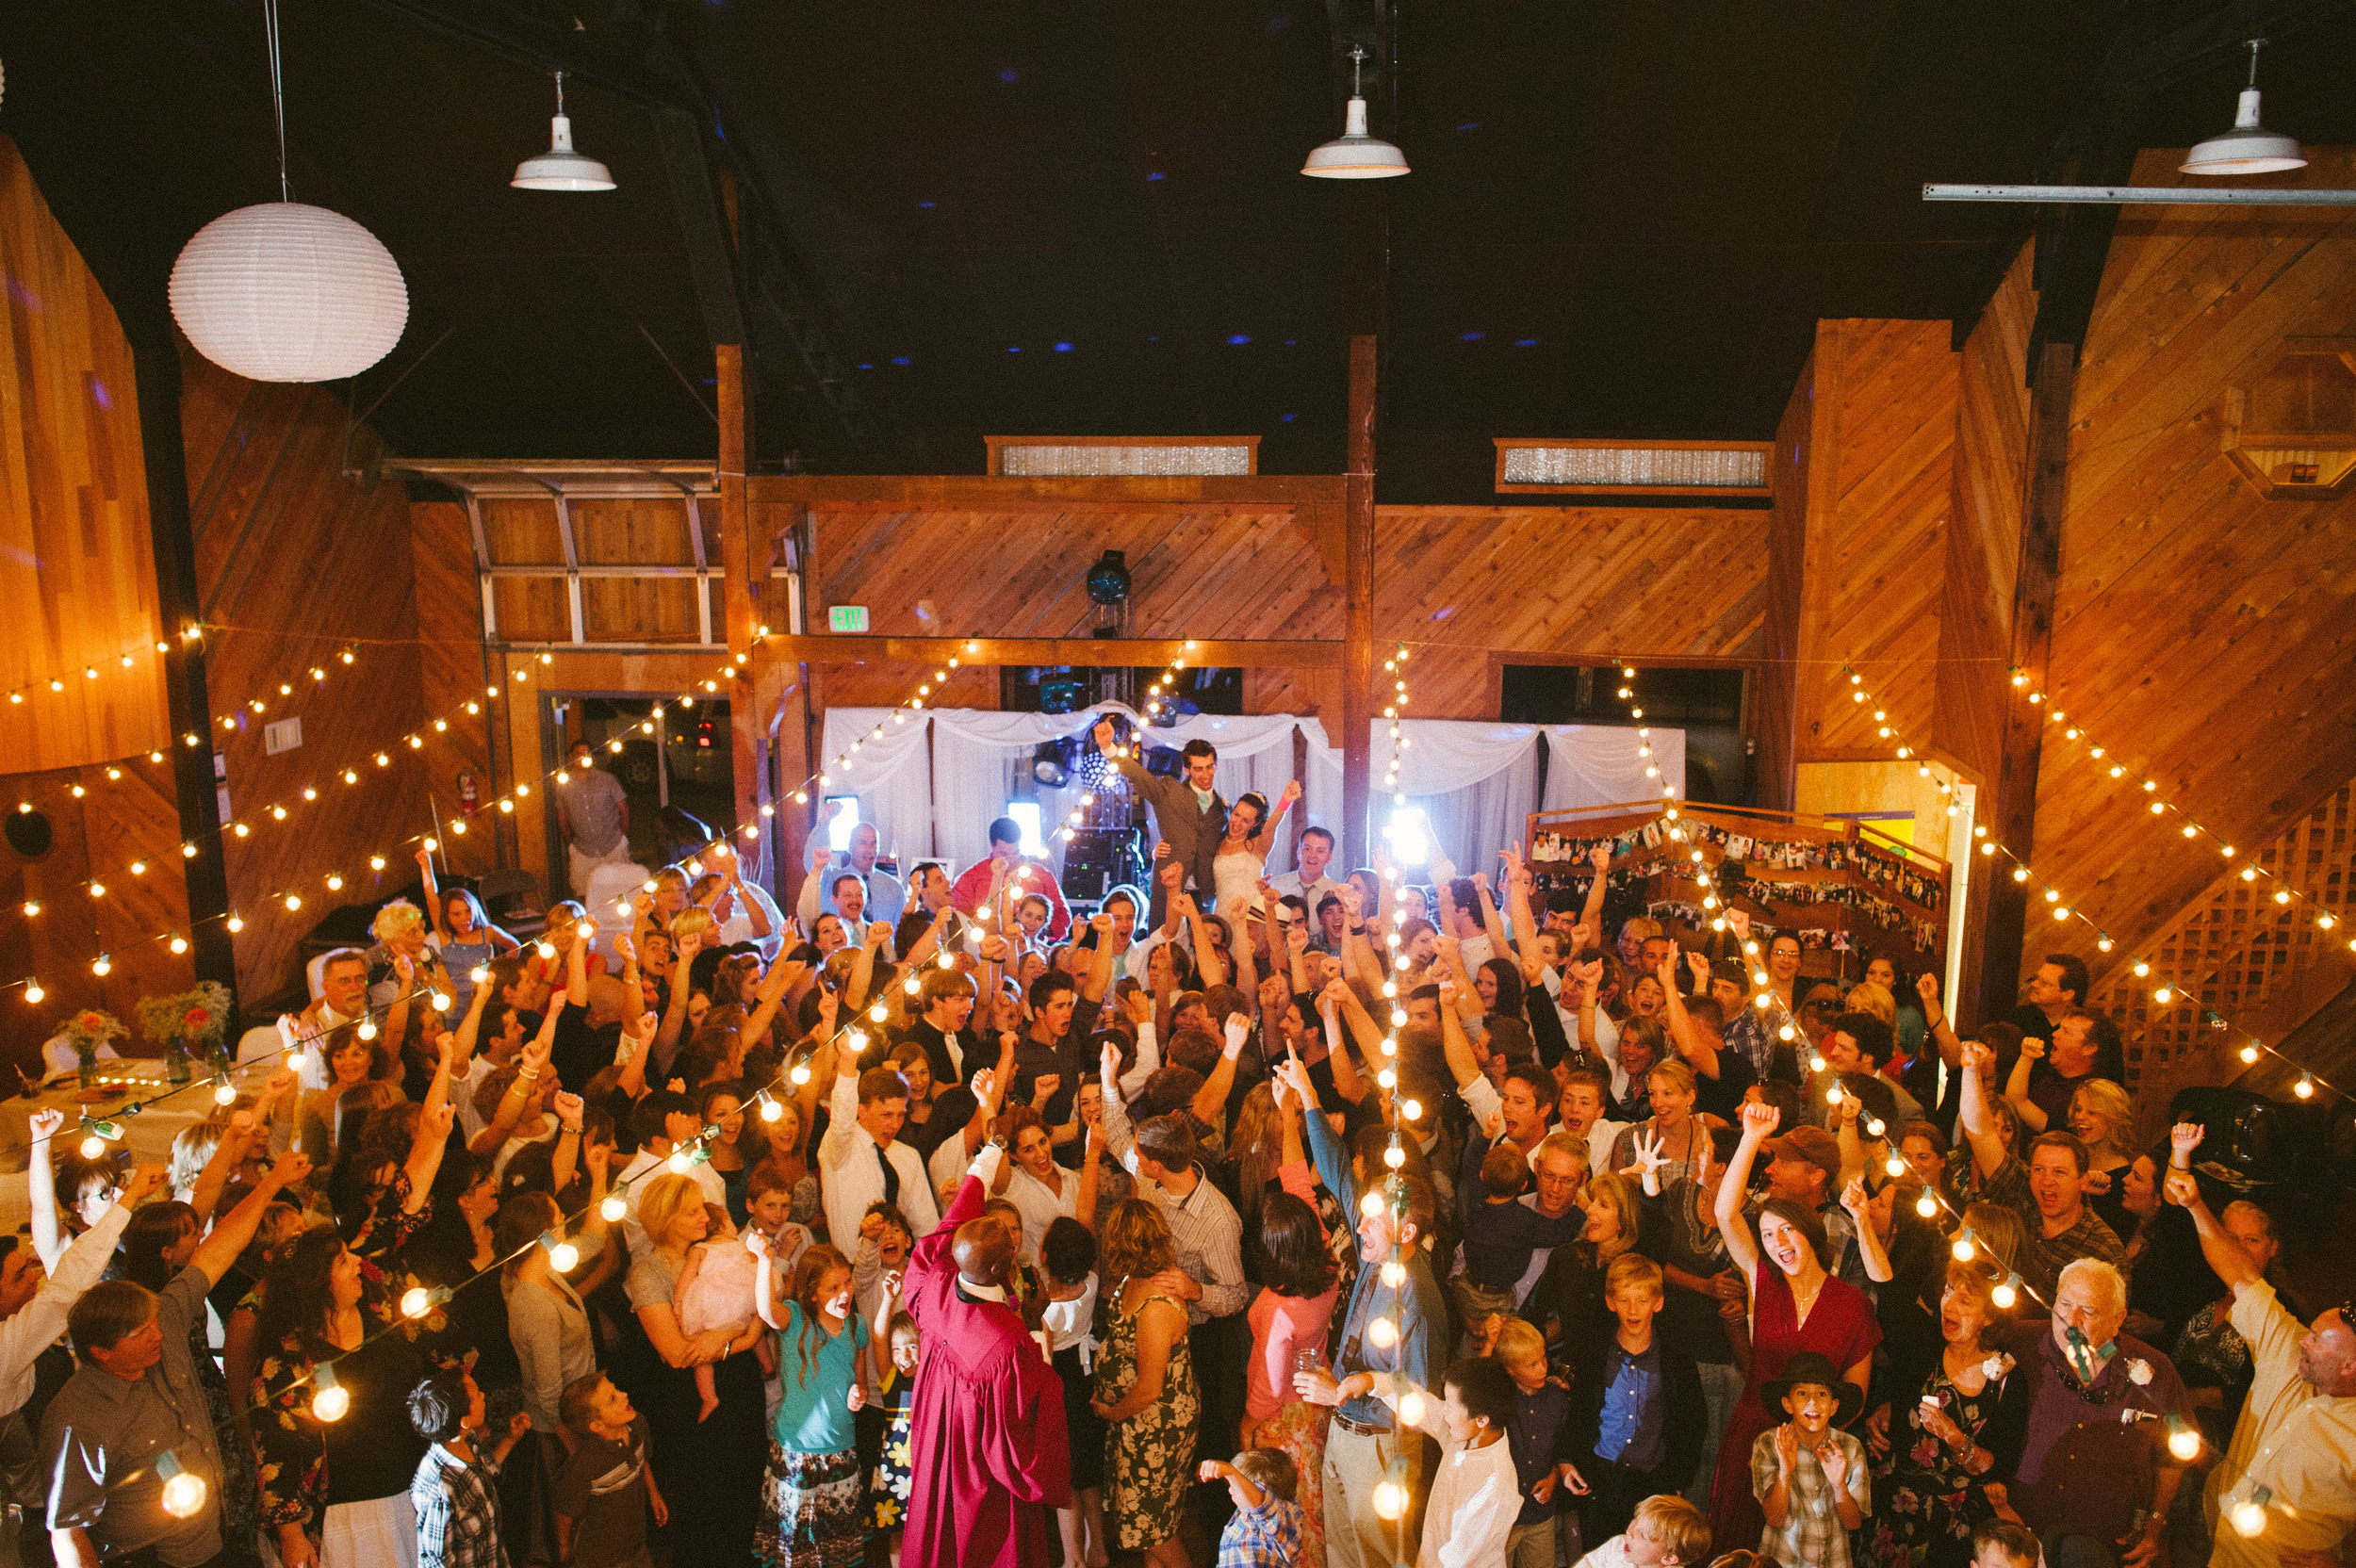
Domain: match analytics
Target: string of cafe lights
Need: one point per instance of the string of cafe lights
(2160, 806)
(291, 898)
(2062, 909)
(847, 759)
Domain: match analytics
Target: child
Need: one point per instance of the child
(810, 1494)
(1665, 1532)
(1476, 1495)
(455, 1490)
(2002, 1543)
(1265, 1529)
(889, 1480)
(715, 1291)
(1027, 1294)
(1501, 1233)
(1637, 1418)
(884, 1243)
(1808, 1474)
(1541, 1421)
(1067, 1255)
(606, 1487)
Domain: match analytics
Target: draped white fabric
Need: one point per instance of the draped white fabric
(1590, 764)
(1475, 782)
(889, 775)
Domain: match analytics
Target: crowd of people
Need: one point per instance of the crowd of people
(1260, 1219)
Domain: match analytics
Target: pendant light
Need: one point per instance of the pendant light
(284, 291)
(560, 168)
(2248, 148)
(1355, 155)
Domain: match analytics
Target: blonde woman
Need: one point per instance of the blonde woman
(1145, 1388)
(1567, 1300)
(400, 932)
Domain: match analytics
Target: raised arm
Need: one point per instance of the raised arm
(1518, 885)
(1099, 979)
(2223, 1254)
(41, 1187)
(774, 986)
(1599, 860)
(1869, 1243)
(431, 892)
(434, 1115)
(234, 1233)
(1973, 1115)
(1462, 1065)
(1331, 1003)
(1489, 921)
(1205, 956)
(2032, 1115)
(1698, 1053)
(1118, 1139)
(1758, 1120)
(1210, 1102)
(1942, 1031)
(531, 1061)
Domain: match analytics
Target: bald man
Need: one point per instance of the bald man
(987, 1443)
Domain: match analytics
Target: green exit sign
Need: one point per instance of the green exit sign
(846, 617)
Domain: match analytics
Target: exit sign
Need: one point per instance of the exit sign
(846, 617)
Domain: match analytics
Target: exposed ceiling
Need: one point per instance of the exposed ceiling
(1623, 218)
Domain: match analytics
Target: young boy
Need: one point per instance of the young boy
(1665, 1532)
(1476, 1494)
(1808, 1474)
(604, 1490)
(1637, 1414)
(2001, 1544)
(455, 1490)
(1542, 1409)
(1265, 1529)
(1500, 1235)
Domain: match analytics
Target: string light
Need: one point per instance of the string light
(183, 1489)
(330, 1400)
(845, 759)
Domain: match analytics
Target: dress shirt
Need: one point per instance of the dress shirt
(1630, 1432)
(886, 897)
(852, 1178)
(2296, 1442)
(1315, 893)
(1208, 1231)
(41, 1320)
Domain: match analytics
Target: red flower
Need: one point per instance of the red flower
(93, 1021)
(198, 1018)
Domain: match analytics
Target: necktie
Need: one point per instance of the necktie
(892, 1177)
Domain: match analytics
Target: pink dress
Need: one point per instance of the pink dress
(1281, 1328)
(720, 1294)
(1841, 1326)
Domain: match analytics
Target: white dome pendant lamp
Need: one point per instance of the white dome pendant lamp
(2248, 148)
(560, 168)
(1355, 155)
(283, 291)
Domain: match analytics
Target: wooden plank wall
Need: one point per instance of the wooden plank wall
(297, 565)
(1775, 707)
(2200, 632)
(452, 671)
(77, 580)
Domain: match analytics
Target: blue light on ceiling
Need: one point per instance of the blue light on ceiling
(1290, 417)
(899, 359)
(1014, 348)
(1525, 342)
(1475, 337)
(1157, 174)
(1009, 75)
(1063, 347)
(867, 366)
(1238, 340)
(1469, 125)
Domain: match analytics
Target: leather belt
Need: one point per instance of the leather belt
(1363, 1429)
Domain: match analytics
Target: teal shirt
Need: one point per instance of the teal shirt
(816, 1417)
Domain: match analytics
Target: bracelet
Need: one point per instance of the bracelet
(1357, 930)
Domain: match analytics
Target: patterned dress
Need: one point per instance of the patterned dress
(1151, 1453)
(887, 1483)
(1930, 1503)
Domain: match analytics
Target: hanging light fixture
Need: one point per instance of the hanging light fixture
(560, 168)
(1355, 155)
(283, 291)
(2248, 148)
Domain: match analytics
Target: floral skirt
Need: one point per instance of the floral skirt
(889, 1483)
(1297, 1431)
(811, 1513)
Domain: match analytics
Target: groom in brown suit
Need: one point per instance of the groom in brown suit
(1188, 814)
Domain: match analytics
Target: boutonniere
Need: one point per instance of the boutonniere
(2139, 1372)
(1997, 1367)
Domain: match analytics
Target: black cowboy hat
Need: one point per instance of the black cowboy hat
(1814, 1367)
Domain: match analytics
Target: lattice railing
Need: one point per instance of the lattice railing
(2238, 952)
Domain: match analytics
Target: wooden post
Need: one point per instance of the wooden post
(752, 703)
(2012, 815)
(1358, 617)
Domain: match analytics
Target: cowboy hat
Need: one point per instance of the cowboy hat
(1814, 1367)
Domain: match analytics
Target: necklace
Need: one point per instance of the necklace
(1801, 1307)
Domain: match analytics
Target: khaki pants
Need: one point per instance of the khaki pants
(1530, 1546)
(1355, 1535)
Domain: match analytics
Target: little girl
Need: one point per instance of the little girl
(889, 1482)
(810, 1515)
(715, 1291)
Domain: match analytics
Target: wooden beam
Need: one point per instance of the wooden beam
(2011, 816)
(751, 711)
(975, 493)
(1358, 607)
(1138, 653)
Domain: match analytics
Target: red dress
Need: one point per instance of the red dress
(1842, 1327)
(985, 1434)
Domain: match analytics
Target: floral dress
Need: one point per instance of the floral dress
(889, 1482)
(1930, 1503)
(1151, 1453)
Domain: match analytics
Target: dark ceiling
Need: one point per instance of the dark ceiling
(1624, 219)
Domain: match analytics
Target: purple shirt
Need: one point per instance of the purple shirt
(2083, 1469)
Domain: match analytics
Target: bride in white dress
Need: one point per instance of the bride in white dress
(1241, 859)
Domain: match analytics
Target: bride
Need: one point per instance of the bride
(1241, 859)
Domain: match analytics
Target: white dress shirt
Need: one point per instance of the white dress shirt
(36, 1325)
(853, 1180)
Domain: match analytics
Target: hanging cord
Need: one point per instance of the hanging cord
(277, 94)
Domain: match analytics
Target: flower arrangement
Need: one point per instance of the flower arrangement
(89, 1029)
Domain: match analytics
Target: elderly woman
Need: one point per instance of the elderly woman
(401, 931)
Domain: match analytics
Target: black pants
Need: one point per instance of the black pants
(1614, 1491)
(1218, 1349)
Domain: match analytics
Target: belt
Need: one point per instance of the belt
(1363, 1429)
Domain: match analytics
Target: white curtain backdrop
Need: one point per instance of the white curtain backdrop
(1589, 765)
(1475, 782)
(889, 775)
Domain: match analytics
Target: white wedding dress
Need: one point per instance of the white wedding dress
(1236, 881)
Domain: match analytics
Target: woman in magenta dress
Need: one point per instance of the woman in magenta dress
(1795, 1306)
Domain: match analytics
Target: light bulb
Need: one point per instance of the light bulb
(1895, 1165)
(1395, 1157)
(2183, 1440)
(1875, 1127)
(1390, 1499)
(1411, 1408)
(478, 973)
(416, 1301)
(2249, 1515)
(801, 1072)
(1816, 1064)
(1394, 1274)
(909, 984)
(93, 1146)
(681, 1161)
(1411, 1109)
(2305, 1087)
(1371, 1205)
(368, 1029)
(1926, 1206)
(1382, 1333)
(2249, 1053)
(225, 1092)
(770, 1109)
(184, 1493)
(879, 1012)
(330, 1402)
(2162, 996)
(33, 991)
(547, 950)
(2006, 1293)
(294, 1062)
(1387, 1078)
(101, 966)
(563, 1257)
(614, 1208)
(1966, 1249)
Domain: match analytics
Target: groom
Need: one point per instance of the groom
(1188, 815)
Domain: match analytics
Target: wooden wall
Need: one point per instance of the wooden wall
(453, 671)
(77, 581)
(297, 565)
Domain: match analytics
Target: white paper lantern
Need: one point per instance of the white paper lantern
(283, 291)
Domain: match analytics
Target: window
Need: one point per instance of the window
(845, 819)
(1025, 813)
(1410, 832)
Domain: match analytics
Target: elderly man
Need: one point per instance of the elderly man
(2293, 1450)
(343, 998)
(1188, 814)
(2095, 1477)
(885, 898)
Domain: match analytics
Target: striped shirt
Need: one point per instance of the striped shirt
(1204, 1225)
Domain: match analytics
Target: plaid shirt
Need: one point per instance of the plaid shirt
(1812, 1536)
(458, 1510)
(1263, 1537)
